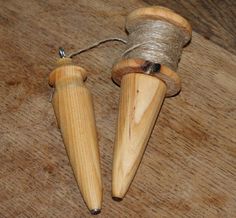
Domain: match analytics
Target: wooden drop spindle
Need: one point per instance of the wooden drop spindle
(144, 85)
(73, 107)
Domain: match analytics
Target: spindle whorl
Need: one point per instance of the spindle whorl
(156, 38)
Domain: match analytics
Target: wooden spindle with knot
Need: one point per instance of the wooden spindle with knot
(144, 85)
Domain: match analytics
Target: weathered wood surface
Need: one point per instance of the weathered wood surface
(189, 168)
(213, 19)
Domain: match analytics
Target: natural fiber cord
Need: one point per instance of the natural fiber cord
(95, 45)
(156, 41)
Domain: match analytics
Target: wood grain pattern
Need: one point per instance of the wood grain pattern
(73, 106)
(189, 167)
(140, 101)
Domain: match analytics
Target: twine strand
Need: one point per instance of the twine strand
(96, 44)
(156, 41)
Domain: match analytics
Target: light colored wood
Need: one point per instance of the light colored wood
(189, 166)
(73, 108)
(131, 65)
(141, 98)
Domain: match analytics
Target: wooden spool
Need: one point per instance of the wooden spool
(141, 97)
(73, 107)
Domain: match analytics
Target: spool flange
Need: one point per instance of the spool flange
(137, 65)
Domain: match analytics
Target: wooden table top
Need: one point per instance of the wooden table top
(189, 167)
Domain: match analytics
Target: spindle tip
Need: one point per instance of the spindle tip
(117, 199)
(95, 211)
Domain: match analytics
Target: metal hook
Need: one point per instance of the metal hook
(62, 52)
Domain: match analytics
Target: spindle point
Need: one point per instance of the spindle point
(95, 211)
(117, 199)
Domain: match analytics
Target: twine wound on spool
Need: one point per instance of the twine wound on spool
(156, 41)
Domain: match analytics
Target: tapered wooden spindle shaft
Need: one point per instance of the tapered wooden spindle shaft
(141, 98)
(144, 85)
(73, 107)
